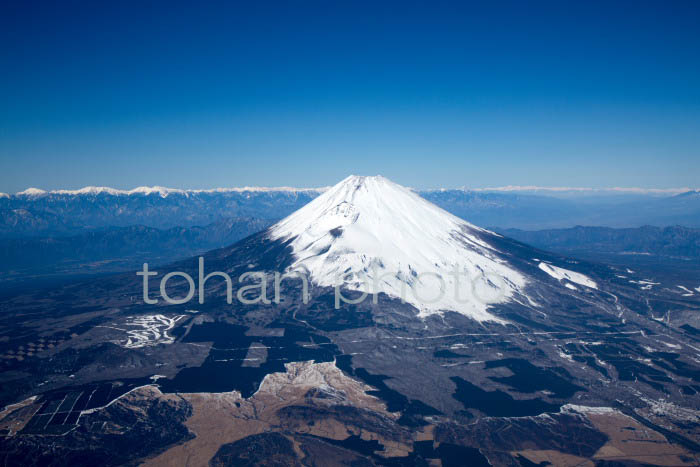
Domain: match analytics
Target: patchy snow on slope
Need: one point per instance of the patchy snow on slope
(582, 409)
(371, 235)
(564, 355)
(571, 276)
(149, 330)
(646, 284)
(664, 408)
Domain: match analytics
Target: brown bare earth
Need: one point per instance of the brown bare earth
(14, 417)
(628, 441)
(557, 458)
(633, 441)
(219, 419)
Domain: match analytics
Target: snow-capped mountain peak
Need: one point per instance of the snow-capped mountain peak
(29, 192)
(372, 235)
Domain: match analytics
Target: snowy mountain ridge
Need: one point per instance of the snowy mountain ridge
(160, 190)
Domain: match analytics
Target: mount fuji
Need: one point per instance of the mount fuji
(371, 235)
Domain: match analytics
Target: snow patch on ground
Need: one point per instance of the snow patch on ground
(571, 276)
(664, 408)
(582, 409)
(646, 284)
(150, 330)
(565, 356)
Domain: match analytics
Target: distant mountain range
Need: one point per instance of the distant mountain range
(535, 212)
(115, 249)
(97, 230)
(40, 214)
(673, 242)
(674, 250)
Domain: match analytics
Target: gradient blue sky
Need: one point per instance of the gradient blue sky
(304, 93)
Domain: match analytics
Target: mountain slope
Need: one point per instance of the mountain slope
(372, 235)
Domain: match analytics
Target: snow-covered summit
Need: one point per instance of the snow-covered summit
(372, 235)
(32, 192)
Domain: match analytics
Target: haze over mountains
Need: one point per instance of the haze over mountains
(39, 213)
(623, 244)
(95, 229)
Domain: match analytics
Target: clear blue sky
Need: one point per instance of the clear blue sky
(304, 93)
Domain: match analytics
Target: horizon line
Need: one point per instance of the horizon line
(165, 191)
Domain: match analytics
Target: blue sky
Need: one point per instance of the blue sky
(304, 93)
